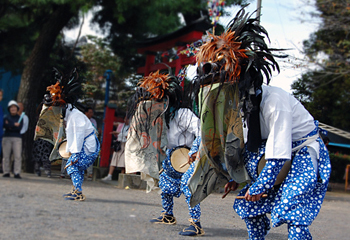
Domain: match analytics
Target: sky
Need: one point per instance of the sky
(287, 23)
(87, 29)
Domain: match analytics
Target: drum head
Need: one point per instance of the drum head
(62, 150)
(283, 173)
(178, 158)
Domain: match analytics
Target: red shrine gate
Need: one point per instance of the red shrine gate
(179, 39)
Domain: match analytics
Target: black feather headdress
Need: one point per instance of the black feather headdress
(67, 89)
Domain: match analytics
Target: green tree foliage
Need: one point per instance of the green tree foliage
(325, 91)
(98, 57)
(15, 22)
(129, 22)
(20, 26)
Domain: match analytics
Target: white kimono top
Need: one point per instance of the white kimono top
(78, 126)
(283, 119)
(183, 129)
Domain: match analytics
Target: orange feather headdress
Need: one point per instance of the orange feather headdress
(159, 87)
(55, 93)
(226, 52)
(156, 84)
(240, 54)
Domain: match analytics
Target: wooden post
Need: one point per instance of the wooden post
(150, 58)
(347, 176)
(107, 137)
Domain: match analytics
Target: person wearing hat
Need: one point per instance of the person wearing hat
(12, 140)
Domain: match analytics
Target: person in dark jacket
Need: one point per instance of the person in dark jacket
(12, 140)
(1, 120)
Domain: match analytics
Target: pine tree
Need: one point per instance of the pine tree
(325, 91)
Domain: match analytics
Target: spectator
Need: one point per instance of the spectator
(90, 113)
(118, 158)
(1, 120)
(12, 140)
(25, 118)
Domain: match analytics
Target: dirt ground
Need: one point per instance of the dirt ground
(33, 208)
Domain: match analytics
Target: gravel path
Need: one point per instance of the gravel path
(33, 208)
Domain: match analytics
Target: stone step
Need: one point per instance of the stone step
(132, 181)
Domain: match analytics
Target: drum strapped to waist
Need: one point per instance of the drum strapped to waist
(178, 158)
(282, 174)
(62, 150)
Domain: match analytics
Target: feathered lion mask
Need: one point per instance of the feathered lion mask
(67, 89)
(239, 54)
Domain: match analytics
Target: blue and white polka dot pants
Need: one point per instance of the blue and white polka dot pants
(258, 227)
(296, 202)
(76, 170)
(179, 187)
(173, 184)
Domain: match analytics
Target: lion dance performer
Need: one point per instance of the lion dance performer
(160, 126)
(82, 142)
(279, 128)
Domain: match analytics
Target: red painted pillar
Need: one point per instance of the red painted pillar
(107, 137)
(150, 59)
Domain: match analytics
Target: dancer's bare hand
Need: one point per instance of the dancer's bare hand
(231, 186)
(192, 158)
(253, 198)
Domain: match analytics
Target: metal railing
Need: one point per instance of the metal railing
(334, 130)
